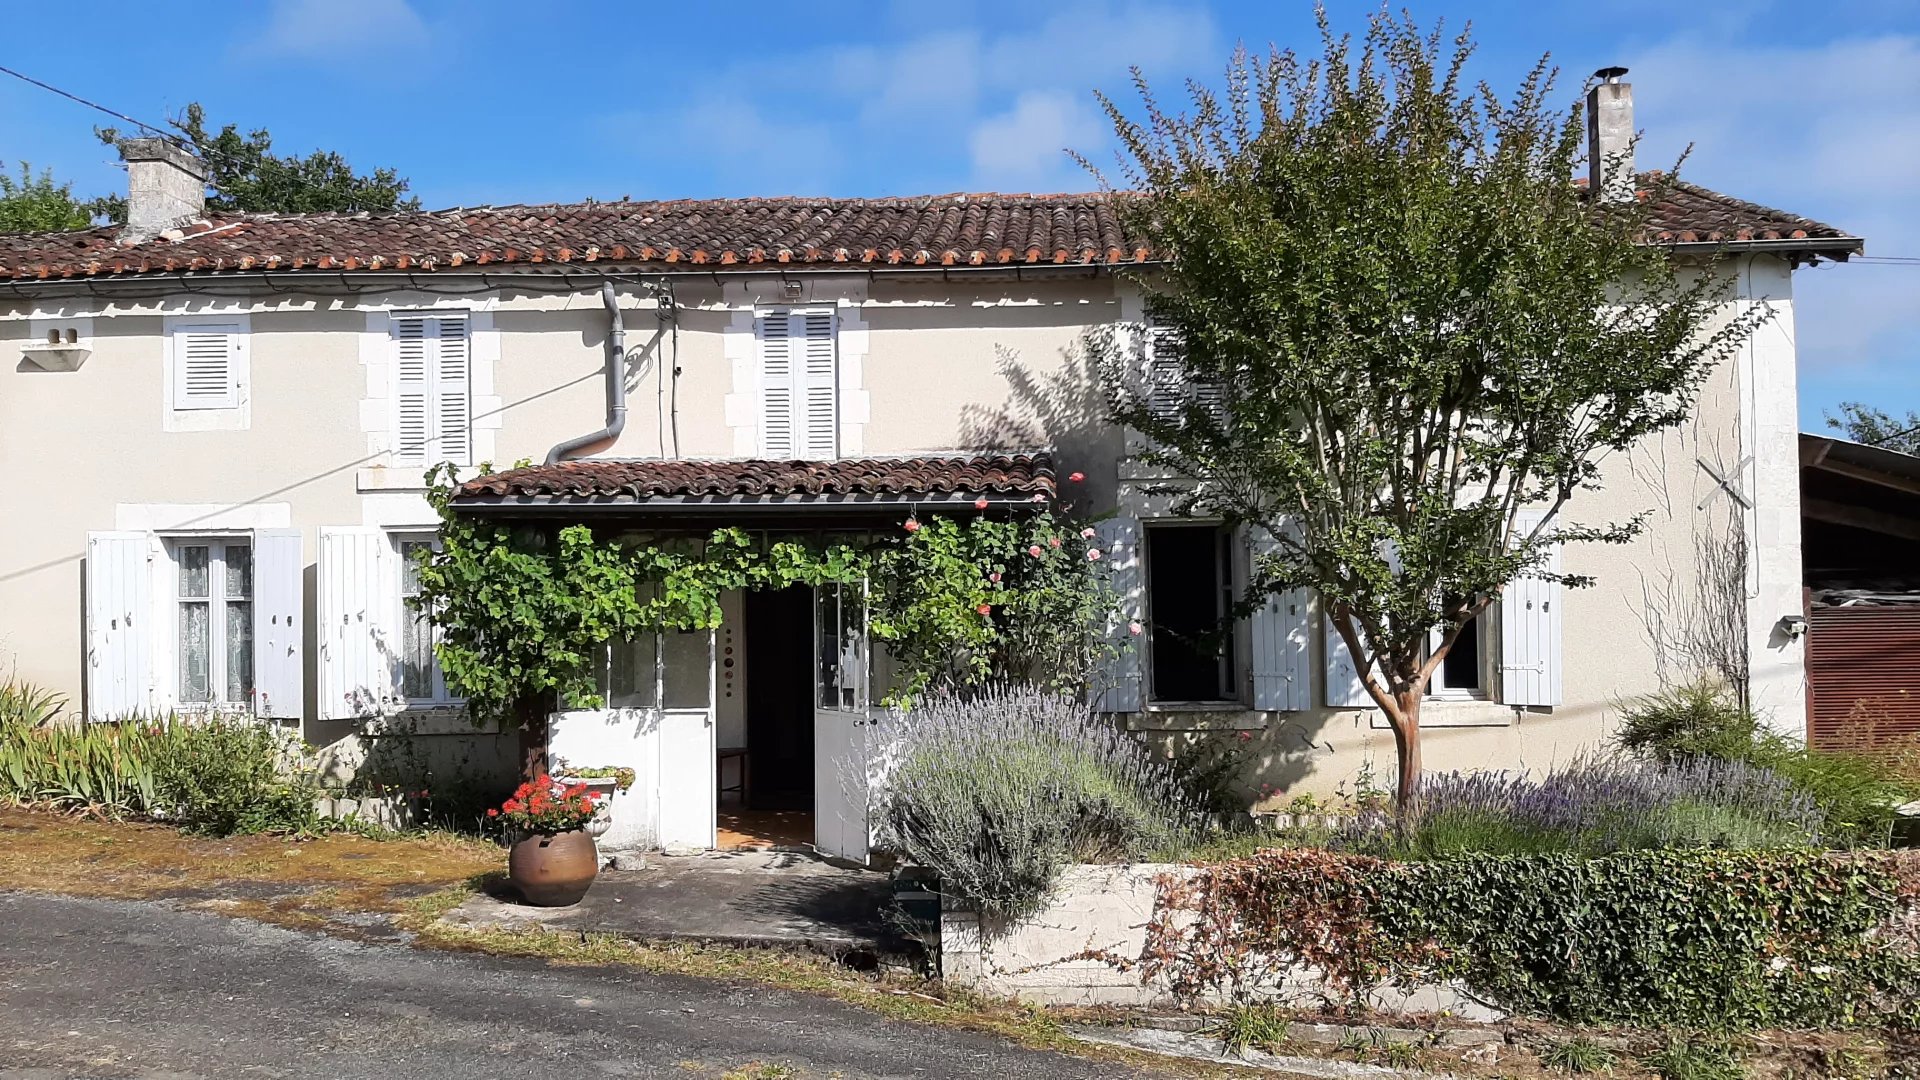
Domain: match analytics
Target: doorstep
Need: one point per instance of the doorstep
(777, 899)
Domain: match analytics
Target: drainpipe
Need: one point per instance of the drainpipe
(616, 383)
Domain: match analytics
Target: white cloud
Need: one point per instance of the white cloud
(338, 30)
(747, 152)
(1830, 131)
(1025, 148)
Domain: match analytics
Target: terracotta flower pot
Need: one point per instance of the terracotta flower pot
(553, 869)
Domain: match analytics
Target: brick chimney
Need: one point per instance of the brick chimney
(166, 186)
(1610, 174)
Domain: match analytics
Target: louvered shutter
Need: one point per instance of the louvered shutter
(359, 602)
(777, 432)
(206, 366)
(413, 389)
(433, 403)
(452, 396)
(818, 389)
(119, 583)
(1281, 664)
(1530, 630)
(1117, 683)
(279, 668)
(1166, 374)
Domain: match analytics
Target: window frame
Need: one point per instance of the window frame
(234, 414)
(1488, 644)
(433, 450)
(219, 631)
(439, 696)
(1229, 576)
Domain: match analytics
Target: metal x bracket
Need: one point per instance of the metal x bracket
(1726, 483)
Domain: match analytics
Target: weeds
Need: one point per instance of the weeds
(1695, 1057)
(1578, 1055)
(1258, 1027)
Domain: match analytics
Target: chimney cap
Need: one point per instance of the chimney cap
(163, 149)
(1610, 74)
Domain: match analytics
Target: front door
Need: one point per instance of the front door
(780, 698)
(841, 729)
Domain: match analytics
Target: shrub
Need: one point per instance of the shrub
(1578, 1055)
(217, 776)
(28, 705)
(1594, 806)
(1709, 939)
(997, 791)
(1855, 790)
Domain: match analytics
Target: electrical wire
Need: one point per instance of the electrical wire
(141, 124)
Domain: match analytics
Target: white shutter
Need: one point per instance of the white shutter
(358, 599)
(452, 397)
(279, 667)
(206, 366)
(1282, 664)
(1166, 374)
(433, 392)
(818, 388)
(1117, 683)
(413, 389)
(1530, 630)
(1345, 688)
(119, 583)
(777, 430)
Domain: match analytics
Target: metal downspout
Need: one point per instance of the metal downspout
(616, 383)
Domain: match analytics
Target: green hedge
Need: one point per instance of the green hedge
(1705, 939)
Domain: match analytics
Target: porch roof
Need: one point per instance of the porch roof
(639, 484)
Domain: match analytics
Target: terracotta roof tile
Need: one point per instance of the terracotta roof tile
(999, 476)
(949, 230)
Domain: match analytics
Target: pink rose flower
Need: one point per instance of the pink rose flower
(995, 576)
(980, 503)
(1134, 628)
(1034, 551)
(1086, 534)
(1053, 541)
(911, 526)
(1093, 554)
(985, 609)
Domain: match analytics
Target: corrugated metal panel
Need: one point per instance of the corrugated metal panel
(1863, 671)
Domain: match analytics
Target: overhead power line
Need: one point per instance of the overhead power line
(141, 124)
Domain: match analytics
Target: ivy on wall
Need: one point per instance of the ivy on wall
(1708, 939)
(523, 610)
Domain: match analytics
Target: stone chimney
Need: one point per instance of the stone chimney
(1610, 174)
(166, 186)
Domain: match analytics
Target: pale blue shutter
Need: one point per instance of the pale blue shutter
(279, 630)
(1281, 664)
(1117, 683)
(120, 625)
(359, 605)
(1530, 630)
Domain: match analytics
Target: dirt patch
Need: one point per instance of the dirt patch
(298, 882)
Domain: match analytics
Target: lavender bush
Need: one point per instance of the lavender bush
(999, 790)
(1595, 806)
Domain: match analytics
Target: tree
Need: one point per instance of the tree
(1875, 427)
(1420, 327)
(35, 204)
(247, 177)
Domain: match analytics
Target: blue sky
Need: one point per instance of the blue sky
(1812, 107)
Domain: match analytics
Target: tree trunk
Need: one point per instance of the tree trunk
(530, 717)
(1406, 743)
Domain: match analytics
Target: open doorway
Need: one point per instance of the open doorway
(766, 786)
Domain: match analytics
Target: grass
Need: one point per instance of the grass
(1694, 1057)
(1578, 1055)
(1257, 1027)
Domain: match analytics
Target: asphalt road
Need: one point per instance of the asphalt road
(109, 989)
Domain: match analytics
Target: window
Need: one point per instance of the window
(840, 647)
(421, 681)
(799, 384)
(1170, 386)
(205, 361)
(671, 671)
(213, 597)
(433, 404)
(1462, 673)
(1190, 598)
